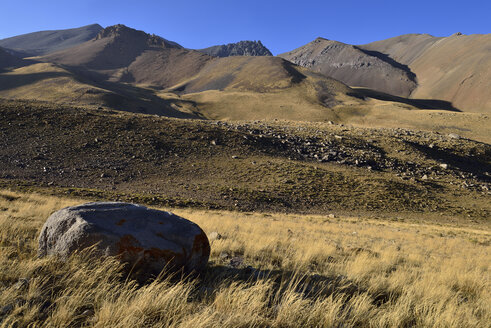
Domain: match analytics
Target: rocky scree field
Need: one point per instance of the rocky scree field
(249, 166)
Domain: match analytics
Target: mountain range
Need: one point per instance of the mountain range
(393, 82)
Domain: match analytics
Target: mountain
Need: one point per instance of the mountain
(129, 70)
(123, 68)
(354, 66)
(241, 48)
(122, 54)
(455, 68)
(44, 42)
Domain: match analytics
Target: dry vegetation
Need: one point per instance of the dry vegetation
(267, 270)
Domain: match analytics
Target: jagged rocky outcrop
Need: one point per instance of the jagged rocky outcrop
(241, 48)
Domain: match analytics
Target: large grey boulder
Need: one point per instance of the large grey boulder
(147, 240)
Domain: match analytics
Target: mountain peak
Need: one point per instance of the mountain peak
(128, 34)
(241, 48)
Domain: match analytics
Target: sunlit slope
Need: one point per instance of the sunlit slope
(455, 68)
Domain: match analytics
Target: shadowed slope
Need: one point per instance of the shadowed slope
(44, 42)
(9, 60)
(354, 66)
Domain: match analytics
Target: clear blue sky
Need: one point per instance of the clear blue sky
(280, 25)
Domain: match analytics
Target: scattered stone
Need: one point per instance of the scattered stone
(23, 283)
(6, 309)
(147, 240)
(223, 255)
(332, 216)
(235, 157)
(453, 136)
(444, 166)
(236, 261)
(88, 313)
(424, 177)
(214, 236)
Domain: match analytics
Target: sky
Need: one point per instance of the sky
(280, 25)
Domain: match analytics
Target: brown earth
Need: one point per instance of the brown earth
(267, 166)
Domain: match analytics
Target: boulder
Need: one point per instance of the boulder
(147, 240)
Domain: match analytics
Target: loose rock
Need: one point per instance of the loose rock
(214, 236)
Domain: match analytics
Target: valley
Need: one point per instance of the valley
(336, 185)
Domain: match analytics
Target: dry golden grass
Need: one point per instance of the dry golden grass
(297, 271)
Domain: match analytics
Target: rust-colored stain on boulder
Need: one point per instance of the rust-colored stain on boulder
(129, 248)
(201, 245)
(129, 244)
(120, 222)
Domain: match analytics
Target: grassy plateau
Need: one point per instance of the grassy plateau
(265, 270)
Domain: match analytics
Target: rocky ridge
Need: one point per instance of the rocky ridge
(241, 48)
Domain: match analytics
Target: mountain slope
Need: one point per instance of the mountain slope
(120, 54)
(404, 48)
(44, 42)
(241, 48)
(455, 68)
(354, 66)
(114, 47)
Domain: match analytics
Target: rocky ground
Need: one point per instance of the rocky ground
(268, 166)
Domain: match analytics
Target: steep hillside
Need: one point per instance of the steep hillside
(455, 68)
(241, 48)
(354, 66)
(44, 42)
